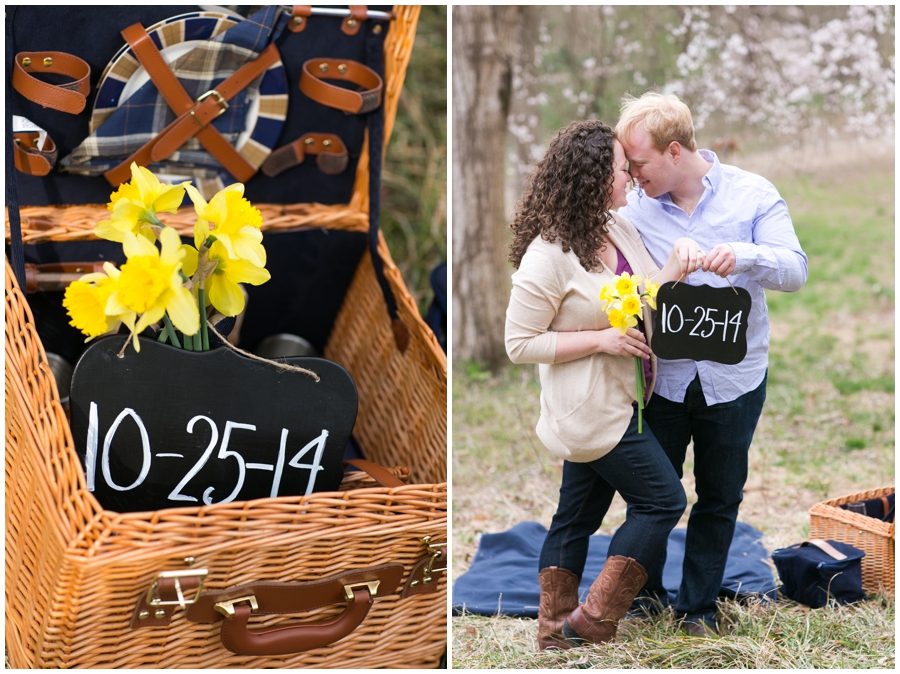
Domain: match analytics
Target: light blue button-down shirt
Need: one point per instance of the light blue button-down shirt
(745, 211)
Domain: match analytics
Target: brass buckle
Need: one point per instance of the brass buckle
(371, 584)
(429, 567)
(223, 104)
(226, 606)
(153, 598)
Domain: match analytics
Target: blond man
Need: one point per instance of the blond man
(743, 224)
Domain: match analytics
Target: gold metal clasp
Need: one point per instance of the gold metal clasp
(153, 598)
(436, 552)
(371, 584)
(226, 606)
(223, 104)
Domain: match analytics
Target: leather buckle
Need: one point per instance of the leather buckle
(223, 104)
(153, 598)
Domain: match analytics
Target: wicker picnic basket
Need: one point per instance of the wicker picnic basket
(76, 573)
(827, 520)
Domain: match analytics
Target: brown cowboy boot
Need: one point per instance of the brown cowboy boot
(559, 597)
(607, 602)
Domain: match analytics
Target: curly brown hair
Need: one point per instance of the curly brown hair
(569, 194)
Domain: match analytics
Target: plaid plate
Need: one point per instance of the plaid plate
(120, 130)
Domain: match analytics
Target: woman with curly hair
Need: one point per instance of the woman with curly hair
(567, 244)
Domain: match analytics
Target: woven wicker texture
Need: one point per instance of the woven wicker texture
(829, 521)
(74, 572)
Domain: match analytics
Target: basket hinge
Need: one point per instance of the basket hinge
(169, 590)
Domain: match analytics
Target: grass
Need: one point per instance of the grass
(827, 430)
(414, 179)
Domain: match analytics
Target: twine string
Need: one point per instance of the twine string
(280, 366)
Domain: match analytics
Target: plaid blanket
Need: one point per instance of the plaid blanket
(134, 122)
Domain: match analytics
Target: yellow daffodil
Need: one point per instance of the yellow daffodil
(650, 294)
(606, 294)
(150, 284)
(626, 284)
(631, 304)
(134, 205)
(233, 221)
(86, 299)
(222, 289)
(619, 319)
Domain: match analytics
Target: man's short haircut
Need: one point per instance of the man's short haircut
(665, 117)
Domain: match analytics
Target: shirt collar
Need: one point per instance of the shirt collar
(714, 176)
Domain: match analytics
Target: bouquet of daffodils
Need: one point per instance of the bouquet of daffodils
(623, 303)
(179, 285)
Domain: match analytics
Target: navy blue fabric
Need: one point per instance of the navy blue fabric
(811, 576)
(503, 578)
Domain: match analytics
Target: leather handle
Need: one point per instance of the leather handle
(360, 587)
(825, 547)
(237, 638)
(382, 475)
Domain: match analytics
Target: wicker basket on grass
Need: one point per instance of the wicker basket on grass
(827, 520)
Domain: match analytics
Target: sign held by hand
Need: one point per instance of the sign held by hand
(701, 323)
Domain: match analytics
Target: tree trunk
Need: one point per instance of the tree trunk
(484, 48)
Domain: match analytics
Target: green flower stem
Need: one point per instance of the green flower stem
(198, 342)
(153, 220)
(639, 389)
(170, 330)
(204, 331)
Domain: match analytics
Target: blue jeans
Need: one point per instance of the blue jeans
(722, 434)
(638, 469)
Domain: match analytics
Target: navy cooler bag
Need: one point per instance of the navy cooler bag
(816, 570)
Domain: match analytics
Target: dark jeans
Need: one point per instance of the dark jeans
(722, 434)
(638, 469)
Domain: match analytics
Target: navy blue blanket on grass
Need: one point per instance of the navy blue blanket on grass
(503, 578)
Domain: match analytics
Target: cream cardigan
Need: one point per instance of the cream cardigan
(586, 404)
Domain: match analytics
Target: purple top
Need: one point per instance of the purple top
(622, 266)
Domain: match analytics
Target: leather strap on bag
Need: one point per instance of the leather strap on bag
(70, 97)
(317, 70)
(357, 588)
(332, 156)
(299, 18)
(30, 159)
(194, 117)
(381, 475)
(358, 14)
(825, 547)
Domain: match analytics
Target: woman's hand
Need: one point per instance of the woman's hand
(632, 343)
(688, 255)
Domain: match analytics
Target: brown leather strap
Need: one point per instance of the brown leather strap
(30, 159)
(194, 116)
(885, 506)
(211, 105)
(299, 18)
(316, 70)
(236, 605)
(358, 14)
(382, 475)
(54, 276)
(332, 154)
(825, 547)
(70, 97)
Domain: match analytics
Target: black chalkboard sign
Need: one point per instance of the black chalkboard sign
(168, 428)
(701, 323)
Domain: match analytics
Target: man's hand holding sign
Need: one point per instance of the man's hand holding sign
(702, 322)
